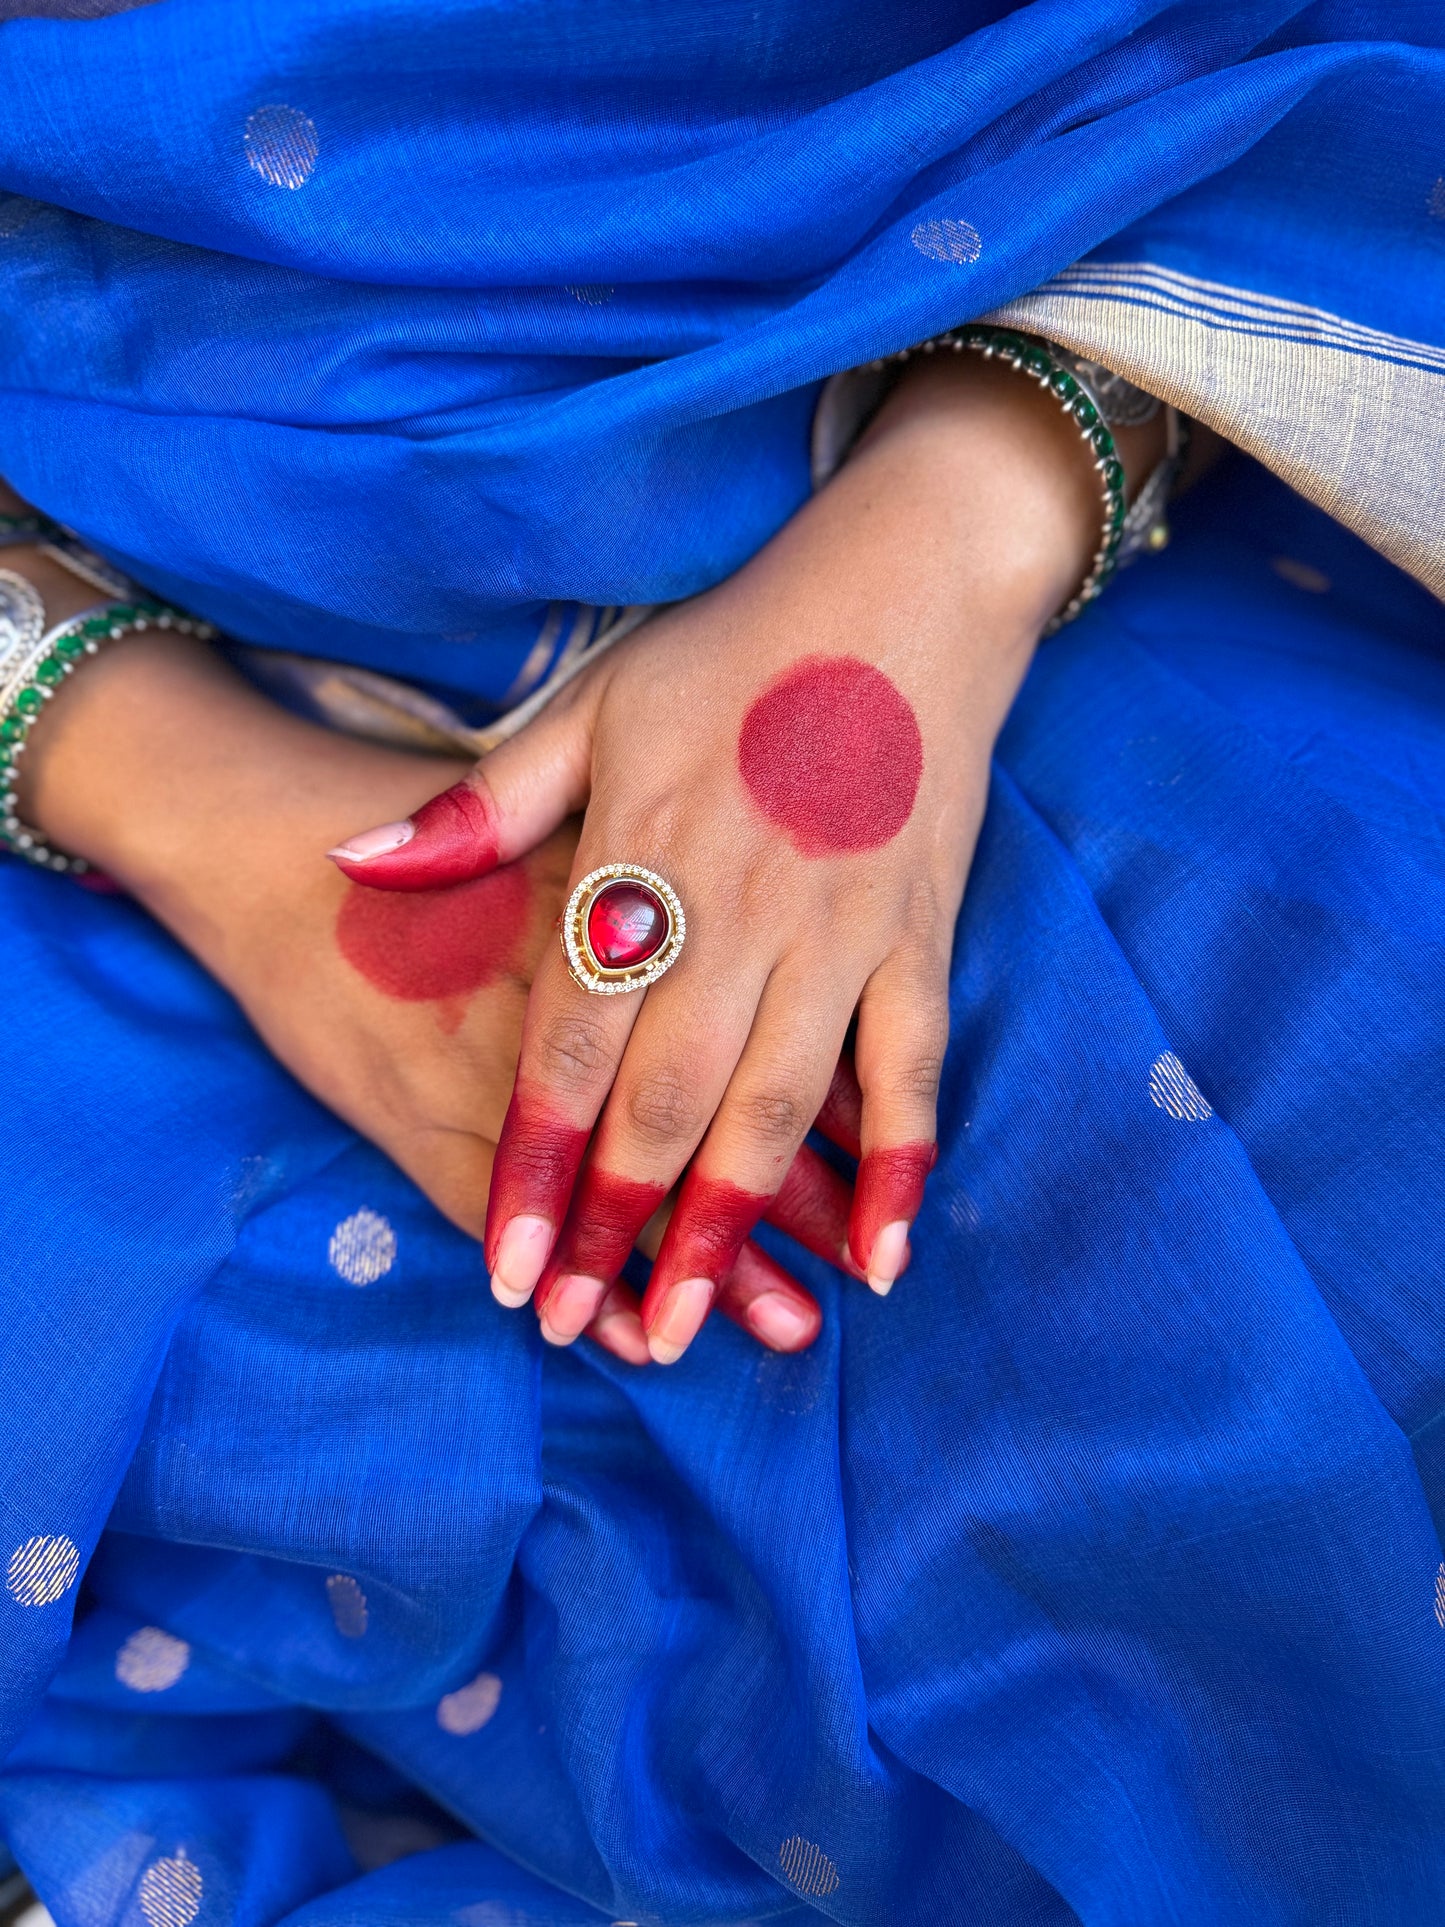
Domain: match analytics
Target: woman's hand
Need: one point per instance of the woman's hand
(803, 754)
(211, 805)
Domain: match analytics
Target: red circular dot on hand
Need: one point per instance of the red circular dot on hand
(424, 944)
(832, 754)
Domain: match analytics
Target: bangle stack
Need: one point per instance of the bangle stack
(34, 662)
(1124, 531)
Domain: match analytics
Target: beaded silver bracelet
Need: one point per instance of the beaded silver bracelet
(1092, 403)
(34, 662)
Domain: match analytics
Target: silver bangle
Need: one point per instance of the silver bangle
(22, 618)
(83, 563)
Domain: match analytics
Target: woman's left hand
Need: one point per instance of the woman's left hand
(803, 754)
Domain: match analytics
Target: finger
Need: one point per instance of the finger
(617, 1324)
(502, 808)
(663, 1099)
(760, 1296)
(815, 1202)
(538, 1156)
(575, 1051)
(813, 1206)
(757, 1295)
(902, 1033)
(604, 1222)
(771, 1100)
(571, 1046)
(617, 1327)
(841, 1118)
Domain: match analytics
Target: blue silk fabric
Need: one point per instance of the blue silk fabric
(1095, 1577)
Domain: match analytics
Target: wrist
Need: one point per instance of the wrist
(967, 519)
(105, 761)
(1009, 466)
(928, 384)
(163, 767)
(1004, 445)
(40, 658)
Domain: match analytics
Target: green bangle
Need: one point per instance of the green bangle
(27, 684)
(1033, 358)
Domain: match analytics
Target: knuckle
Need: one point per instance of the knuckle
(572, 1050)
(664, 1108)
(915, 1077)
(774, 1116)
(655, 826)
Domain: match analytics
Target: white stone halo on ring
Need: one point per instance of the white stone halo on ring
(586, 970)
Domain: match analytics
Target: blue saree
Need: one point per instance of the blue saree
(411, 339)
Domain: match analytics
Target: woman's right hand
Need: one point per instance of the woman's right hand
(403, 1013)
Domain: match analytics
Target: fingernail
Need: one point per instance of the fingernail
(778, 1322)
(889, 1249)
(370, 843)
(622, 1334)
(570, 1308)
(522, 1251)
(680, 1320)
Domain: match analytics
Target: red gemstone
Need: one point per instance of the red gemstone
(626, 925)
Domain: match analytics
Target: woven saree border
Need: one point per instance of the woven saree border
(1218, 305)
(1351, 417)
(385, 709)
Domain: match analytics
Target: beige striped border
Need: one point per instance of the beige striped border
(1352, 417)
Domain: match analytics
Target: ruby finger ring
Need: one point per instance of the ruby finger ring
(623, 927)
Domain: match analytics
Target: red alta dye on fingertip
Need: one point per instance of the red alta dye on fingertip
(704, 1235)
(538, 1157)
(434, 944)
(889, 1187)
(456, 839)
(603, 1224)
(812, 1205)
(832, 754)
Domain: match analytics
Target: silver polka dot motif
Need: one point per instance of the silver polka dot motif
(151, 1660)
(806, 1868)
(470, 1707)
(281, 145)
(362, 1248)
(170, 1891)
(348, 1605)
(1175, 1091)
(42, 1570)
(946, 240)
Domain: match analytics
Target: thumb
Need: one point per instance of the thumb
(506, 805)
